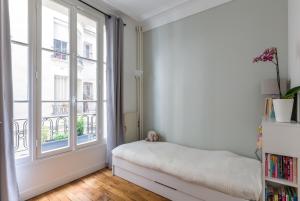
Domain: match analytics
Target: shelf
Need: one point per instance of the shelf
(282, 181)
(275, 123)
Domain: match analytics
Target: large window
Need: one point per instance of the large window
(57, 78)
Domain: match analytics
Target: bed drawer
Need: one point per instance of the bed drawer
(155, 187)
(166, 185)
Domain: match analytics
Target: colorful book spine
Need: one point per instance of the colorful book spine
(295, 170)
(281, 167)
(282, 193)
(269, 112)
(266, 167)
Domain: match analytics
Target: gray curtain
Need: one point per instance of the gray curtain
(9, 188)
(115, 118)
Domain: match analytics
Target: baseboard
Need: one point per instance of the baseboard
(37, 190)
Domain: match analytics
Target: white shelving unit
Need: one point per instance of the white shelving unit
(281, 139)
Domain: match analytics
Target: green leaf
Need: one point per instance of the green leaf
(291, 93)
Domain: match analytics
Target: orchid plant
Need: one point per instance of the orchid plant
(271, 55)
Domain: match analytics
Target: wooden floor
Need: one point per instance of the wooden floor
(100, 185)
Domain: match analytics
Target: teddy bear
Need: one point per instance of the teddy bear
(152, 136)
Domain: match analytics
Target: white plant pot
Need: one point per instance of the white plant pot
(283, 109)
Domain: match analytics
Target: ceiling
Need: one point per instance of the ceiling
(154, 13)
(142, 10)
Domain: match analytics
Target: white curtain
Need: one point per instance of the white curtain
(9, 188)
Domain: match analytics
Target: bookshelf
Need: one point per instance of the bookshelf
(280, 159)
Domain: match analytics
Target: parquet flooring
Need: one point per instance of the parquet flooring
(99, 186)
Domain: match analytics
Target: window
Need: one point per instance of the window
(60, 92)
(61, 87)
(87, 72)
(88, 48)
(55, 103)
(87, 95)
(60, 49)
(88, 91)
(20, 71)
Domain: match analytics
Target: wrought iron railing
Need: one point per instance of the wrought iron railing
(20, 134)
(53, 125)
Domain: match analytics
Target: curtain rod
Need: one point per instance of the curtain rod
(108, 15)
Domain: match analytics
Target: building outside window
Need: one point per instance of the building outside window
(61, 91)
(88, 50)
(60, 49)
(87, 95)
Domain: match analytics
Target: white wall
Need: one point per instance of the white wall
(36, 177)
(294, 42)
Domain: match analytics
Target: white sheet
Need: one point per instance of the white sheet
(222, 171)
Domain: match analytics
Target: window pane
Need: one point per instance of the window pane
(20, 94)
(55, 26)
(20, 72)
(86, 37)
(55, 78)
(20, 126)
(86, 122)
(18, 10)
(55, 128)
(86, 80)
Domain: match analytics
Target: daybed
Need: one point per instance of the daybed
(181, 173)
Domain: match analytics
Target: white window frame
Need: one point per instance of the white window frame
(34, 62)
(74, 8)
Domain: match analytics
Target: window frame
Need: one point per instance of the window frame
(34, 82)
(74, 9)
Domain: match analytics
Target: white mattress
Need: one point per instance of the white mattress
(222, 171)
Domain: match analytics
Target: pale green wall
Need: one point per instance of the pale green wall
(294, 42)
(201, 88)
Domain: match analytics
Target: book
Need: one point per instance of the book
(295, 168)
(281, 167)
(269, 112)
(281, 193)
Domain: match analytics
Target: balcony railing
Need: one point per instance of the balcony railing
(52, 126)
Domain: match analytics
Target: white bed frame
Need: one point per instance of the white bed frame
(166, 185)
